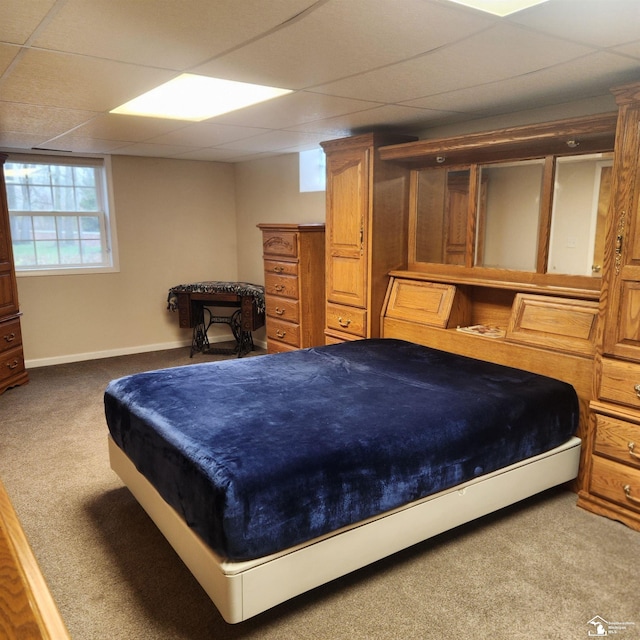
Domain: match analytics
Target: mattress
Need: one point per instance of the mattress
(261, 454)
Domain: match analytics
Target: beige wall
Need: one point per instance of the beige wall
(267, 190)
(176, 223)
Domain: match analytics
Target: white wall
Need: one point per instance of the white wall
(176, 223)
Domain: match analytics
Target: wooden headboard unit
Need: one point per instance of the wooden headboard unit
(546, 332)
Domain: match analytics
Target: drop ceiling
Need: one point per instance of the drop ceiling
(353, 66)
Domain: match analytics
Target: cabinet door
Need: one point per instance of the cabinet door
(622, 330)
(347, 221)
(8, 288)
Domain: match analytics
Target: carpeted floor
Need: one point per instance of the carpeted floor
(541, 569)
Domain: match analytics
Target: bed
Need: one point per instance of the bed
(275, 474)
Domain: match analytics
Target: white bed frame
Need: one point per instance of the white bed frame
(241, 590)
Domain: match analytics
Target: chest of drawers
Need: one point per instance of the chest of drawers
(294, 285)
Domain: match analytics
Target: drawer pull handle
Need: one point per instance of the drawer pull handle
(627, 493)
(279, 311)
(14, 364)
(344, 323)
(278, 269)
(636, 388)
(279, 287)
(281, 334)
(632, 453)
(10, 337)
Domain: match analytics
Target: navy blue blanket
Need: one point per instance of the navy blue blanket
(263, 453)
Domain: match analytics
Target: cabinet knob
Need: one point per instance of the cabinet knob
(636, 388)
(279, 311)
(632, 453)
(10, 337)
(279, 287)
(14, 364)
(281, 334)
(278, 269)
(347, 322)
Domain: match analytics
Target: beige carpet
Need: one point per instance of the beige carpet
(542, 569)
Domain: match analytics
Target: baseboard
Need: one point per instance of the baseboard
(124, 351)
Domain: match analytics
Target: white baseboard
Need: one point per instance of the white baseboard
(111, 353)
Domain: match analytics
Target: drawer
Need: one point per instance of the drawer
(618, 439)
(283, 308)
(616, 482)
(287, 332)
(277, 285)
(347, 319)
(620, 382)
(281, 268)
(11, 363)
(280, 243)
(275, 346)
(10, 334)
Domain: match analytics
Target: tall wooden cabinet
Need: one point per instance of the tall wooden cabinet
(367, 205)
(12, 369)
(294, 285)
(612, 485)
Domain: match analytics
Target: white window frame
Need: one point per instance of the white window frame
(106, 216)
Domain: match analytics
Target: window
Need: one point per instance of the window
(313, 170)
(59, 214)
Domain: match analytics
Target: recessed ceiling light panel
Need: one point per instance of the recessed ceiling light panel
(197, 98)
(500, 7)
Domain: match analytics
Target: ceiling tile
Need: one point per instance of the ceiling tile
(487, 56)
(162, 33)
(7, 56)
(295, 108)
(152, 150)
(205, 134)
(585, 77)
(403, 117)
(113, 126)
(45, 121)
(343, 38)
(274, 141)
(595, 22)
(19, 18)
(61, 80)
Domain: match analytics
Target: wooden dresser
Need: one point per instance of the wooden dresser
(613, 467)
(366, 232)
(294, 285)
(12, 369)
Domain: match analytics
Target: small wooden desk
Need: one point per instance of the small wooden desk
(191, 302)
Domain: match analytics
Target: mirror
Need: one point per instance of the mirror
(509, 215)
(581, 195)
(515, 212)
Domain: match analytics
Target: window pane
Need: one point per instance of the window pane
(63, 199)
(18, 197)
(40, 199)
(24, 253)
(90, 227)
(70, 252)
(67, 227)
(87, 199)
(47, 252)
(61, 175)
(21, 228)
(91, 251)
(84, 176)
(44, 227)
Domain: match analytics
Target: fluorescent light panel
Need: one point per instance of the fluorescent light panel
(500, 7)
(197, 98)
